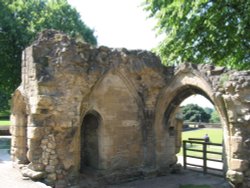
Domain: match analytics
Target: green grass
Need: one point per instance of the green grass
(215, 137)
(4, 118)
(4, 122)
(194, 186)
(214, 134)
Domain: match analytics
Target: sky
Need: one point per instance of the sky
(118, 23)
(123, 24)
(199, 100)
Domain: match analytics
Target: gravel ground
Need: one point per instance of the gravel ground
(175, 180)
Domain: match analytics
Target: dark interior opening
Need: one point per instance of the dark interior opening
(89, 142)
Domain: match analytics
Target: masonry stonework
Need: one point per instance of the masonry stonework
(114, 113)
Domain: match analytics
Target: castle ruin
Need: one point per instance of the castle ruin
(114, 112)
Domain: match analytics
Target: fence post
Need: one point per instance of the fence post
(204, 157)
(184, 154)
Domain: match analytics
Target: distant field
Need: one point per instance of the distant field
(4, 118)
(4, 122)
(214, 134)
(215, 137)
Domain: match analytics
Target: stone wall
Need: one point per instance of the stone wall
(114, 112)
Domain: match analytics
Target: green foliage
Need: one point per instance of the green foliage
(223, 79)
(208, 110)
(215, 118)
(203, 31)
(20, 21)
(195, 113)
(5, 113)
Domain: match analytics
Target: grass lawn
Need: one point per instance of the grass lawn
(4, 122)
(214, 134)
(4, 118)
(215, 137)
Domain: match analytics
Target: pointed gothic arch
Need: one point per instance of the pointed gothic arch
(183, 85)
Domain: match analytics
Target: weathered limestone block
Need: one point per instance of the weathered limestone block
(18, 141)
(68, 162)
(53, 162)
(236, 143)
(235, 177)
(19, 131)
(35, 132)
(238, 165)
(50, 169)
(36, 167)
(19, 154)
(35, 175)
(52, 177)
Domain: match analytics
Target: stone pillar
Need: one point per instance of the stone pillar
(19, 138)
(237, 103)
(18, 129)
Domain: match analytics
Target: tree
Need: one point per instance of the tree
(208, 110)
(203, 31)
(20, 21)
(194, 113)
(215, 118)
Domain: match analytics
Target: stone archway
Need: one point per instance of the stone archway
(185, 83)
(90, 141)
(173, 121)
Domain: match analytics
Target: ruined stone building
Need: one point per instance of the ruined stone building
(113, 112)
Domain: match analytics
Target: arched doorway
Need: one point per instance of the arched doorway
(90, 141)
(183, 85)
(192, 122)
